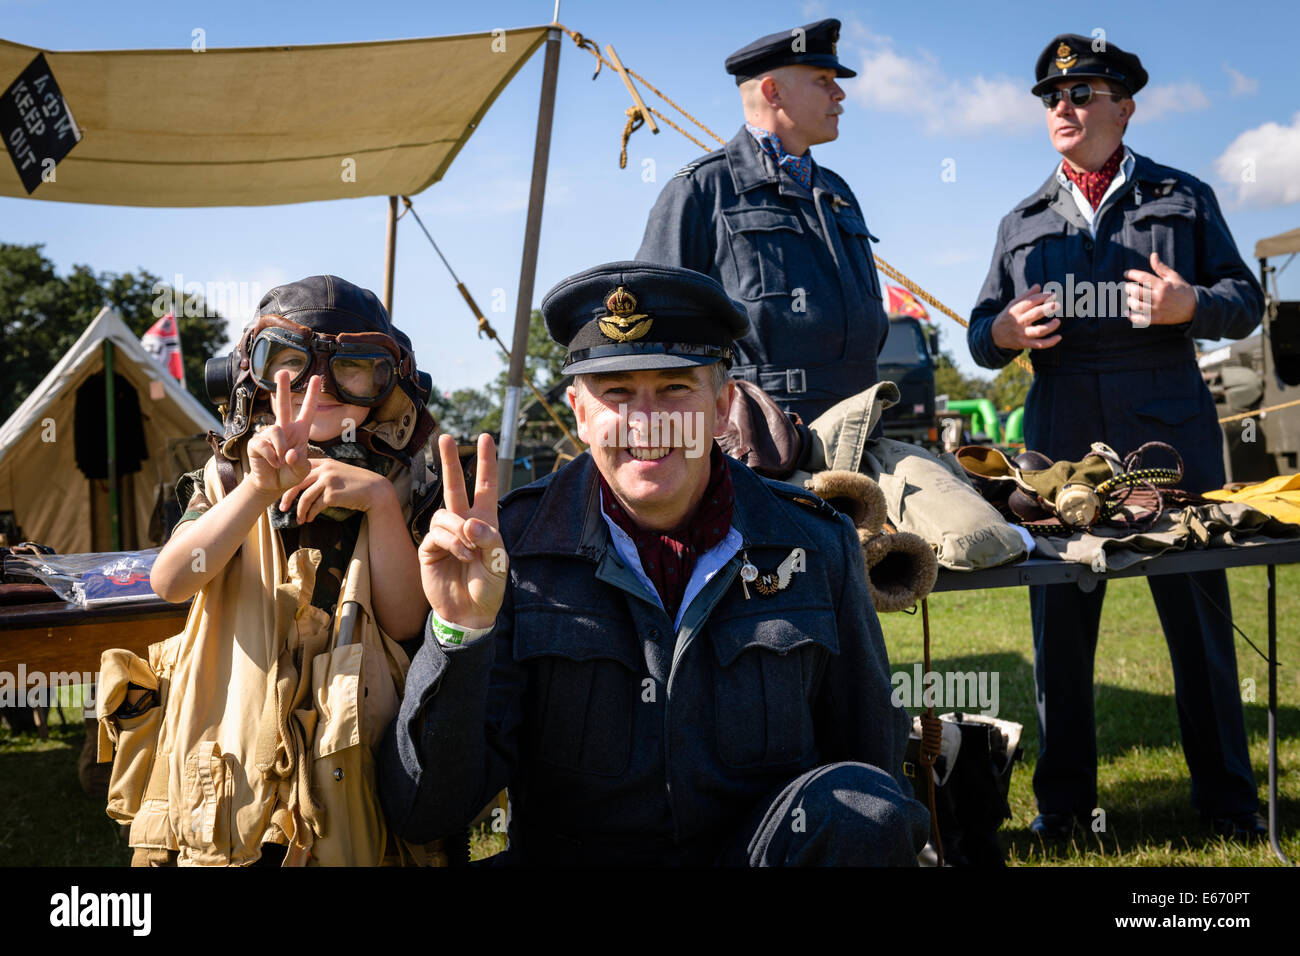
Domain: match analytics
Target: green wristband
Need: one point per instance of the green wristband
(445, 633)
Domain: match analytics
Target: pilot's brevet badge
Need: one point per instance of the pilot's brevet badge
(1065, 57)
(623, 324)
(771, 582)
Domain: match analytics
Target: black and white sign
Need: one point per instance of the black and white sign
(36, 124)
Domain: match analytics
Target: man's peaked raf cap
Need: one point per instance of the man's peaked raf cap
(812, 44)
(626, 316)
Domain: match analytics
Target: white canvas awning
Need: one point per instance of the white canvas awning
(265, 125)
(1280, 245)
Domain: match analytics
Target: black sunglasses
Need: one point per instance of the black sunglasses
(1080, 95)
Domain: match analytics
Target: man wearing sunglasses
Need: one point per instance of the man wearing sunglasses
(1107, 274)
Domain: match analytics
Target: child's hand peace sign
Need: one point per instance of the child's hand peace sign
(463, 561)
(277, 455)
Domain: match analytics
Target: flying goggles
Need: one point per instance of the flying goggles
(360, 368)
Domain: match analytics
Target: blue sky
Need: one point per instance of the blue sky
(942, 85)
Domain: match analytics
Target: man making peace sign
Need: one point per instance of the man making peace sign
(637, 674)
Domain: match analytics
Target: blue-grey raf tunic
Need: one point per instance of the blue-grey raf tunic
(800, 263)
(758, 730)
(1110, 382)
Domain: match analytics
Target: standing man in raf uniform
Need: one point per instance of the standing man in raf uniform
(1148, 266)
(679, 662)
(782, 234)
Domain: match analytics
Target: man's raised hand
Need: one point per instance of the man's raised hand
(463, 561)
(1159, 297)
(1015, 327)
(277, 454)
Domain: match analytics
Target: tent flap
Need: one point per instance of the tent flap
(265, 125)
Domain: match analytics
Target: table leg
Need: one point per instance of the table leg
(1272, 716)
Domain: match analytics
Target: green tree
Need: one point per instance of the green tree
(948, 380)
(468, 411)
(42, 315)
(1009, 387)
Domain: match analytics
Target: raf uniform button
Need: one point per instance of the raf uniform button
(654, 633)
(1087, 245)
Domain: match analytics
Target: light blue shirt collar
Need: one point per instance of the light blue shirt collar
(706, 565)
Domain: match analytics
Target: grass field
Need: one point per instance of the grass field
(45, 819)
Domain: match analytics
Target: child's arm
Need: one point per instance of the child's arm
(202, 547)
(277, 458)
(395, 591)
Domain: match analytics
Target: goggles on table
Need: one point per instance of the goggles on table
(360, 368)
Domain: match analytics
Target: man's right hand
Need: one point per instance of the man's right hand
(1014, 327)
(463, 560)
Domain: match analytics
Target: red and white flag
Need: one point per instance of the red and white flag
(163, 342)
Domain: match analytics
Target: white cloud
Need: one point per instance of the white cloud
(1262, 165)
(918, 86)
(813, 9)
(1242, 84)
(1156, 101)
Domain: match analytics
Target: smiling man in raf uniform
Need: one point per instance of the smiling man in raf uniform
(1121, 369)
(784, 235)
(679, 663)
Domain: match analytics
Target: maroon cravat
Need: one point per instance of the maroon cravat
(1094, 185)
(669, 557)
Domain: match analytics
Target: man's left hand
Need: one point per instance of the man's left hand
(1159, 297)
(333, 483)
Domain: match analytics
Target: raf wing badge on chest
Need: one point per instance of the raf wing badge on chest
(769, 583)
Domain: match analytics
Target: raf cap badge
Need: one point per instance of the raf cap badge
(623, 324)
(1065, 57)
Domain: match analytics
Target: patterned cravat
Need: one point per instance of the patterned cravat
(798, 167)
(1094, 185)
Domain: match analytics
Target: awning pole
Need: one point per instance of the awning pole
(110, 421)
(390, 254)
(528, 267)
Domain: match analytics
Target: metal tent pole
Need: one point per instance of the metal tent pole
(390, 255)
(110, 421)
(528, 267)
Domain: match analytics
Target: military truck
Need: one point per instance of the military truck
(1261, 371)
(908, 361)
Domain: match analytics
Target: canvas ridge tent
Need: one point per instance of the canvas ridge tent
(50, 497)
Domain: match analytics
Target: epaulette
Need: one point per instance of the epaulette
(803, 497)
(692, 166)
(531, 490)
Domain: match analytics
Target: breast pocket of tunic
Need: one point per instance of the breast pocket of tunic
(857, 239)
(767, 673)
(1038, 253)
(584, 685)
(767, 250)
(1167, 226)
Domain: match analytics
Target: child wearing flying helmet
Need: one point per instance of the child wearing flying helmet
(298, 544)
